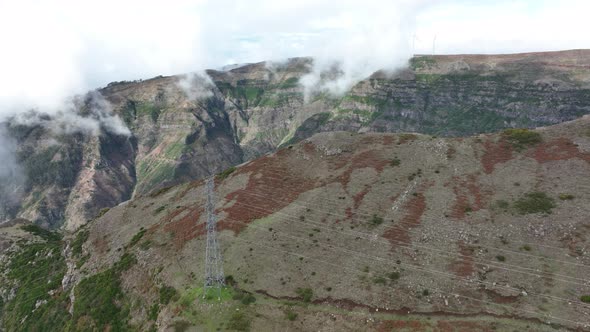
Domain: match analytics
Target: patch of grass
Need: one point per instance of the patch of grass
(239, 321)
(42, 233)
(80, 239)
(102, 212)
(585, 298)
(167, 294)
(290, 315)
(305, 293)
(376, 220)
(379, 280)
(502, 204)
(223, 175)
(99, 303)
(534, 202)
(159, 192)
(154, 312)
(22, 274)
(521, 138)
(136, 237)
(145, 245)
(244, 297)
(393, 275)
(566, 197)
(160, 209)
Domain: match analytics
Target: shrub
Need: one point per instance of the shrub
(154, 311)
(160, 209)
(223, 175)
(393, 275)
(290, 315)
(502, 204)
(526, 247)
(168, 293)
(102, 212)
(239, 321)
(379, 280)
(80, 239)
(425, 292)
(395, 161)
(136, 237)
(501, 258)
(305, 293)
(566, 197)
(376, 220)
(534, 202)
(521, 138)
(244, 297)
(585, 298)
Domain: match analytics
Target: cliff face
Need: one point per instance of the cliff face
(251, 110)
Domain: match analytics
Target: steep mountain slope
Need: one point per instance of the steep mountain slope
(342, 231)
(253, 109)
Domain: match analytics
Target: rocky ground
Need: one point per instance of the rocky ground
(342, 231)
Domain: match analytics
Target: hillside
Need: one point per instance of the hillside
(341, 231)
(69, 177)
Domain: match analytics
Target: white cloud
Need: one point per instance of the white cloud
(53, 49)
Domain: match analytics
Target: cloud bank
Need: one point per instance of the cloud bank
(53, 50)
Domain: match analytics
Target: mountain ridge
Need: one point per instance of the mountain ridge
(254, 109)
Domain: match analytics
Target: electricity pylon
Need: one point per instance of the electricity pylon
(214, 277)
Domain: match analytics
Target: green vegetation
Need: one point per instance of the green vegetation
(80, 239)
(36, 272)
(239, 321)
(585, 298)
(136, 237)
(566, 197)
(395, 162)
(42, 233)
(154, 312)
(58, 164)
(502, 204)
(393, 275)
(159, 192)
(305, 293)
(534, 202)
(244, 297)
(425, 292)
(100, 303)
(290, 315)
(521, 138)
(223, 175)
(167, 294)
(147, 109)
(526, 247)
(380, 280)
(422, 62)
(102, 212)
(289, 83)
(501, 258)
(376, 220)
(158, 210)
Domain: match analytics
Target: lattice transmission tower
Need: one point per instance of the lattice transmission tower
(214, 277)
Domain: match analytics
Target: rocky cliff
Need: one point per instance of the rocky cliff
(188, 130)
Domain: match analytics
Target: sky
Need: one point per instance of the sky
(53, 49)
